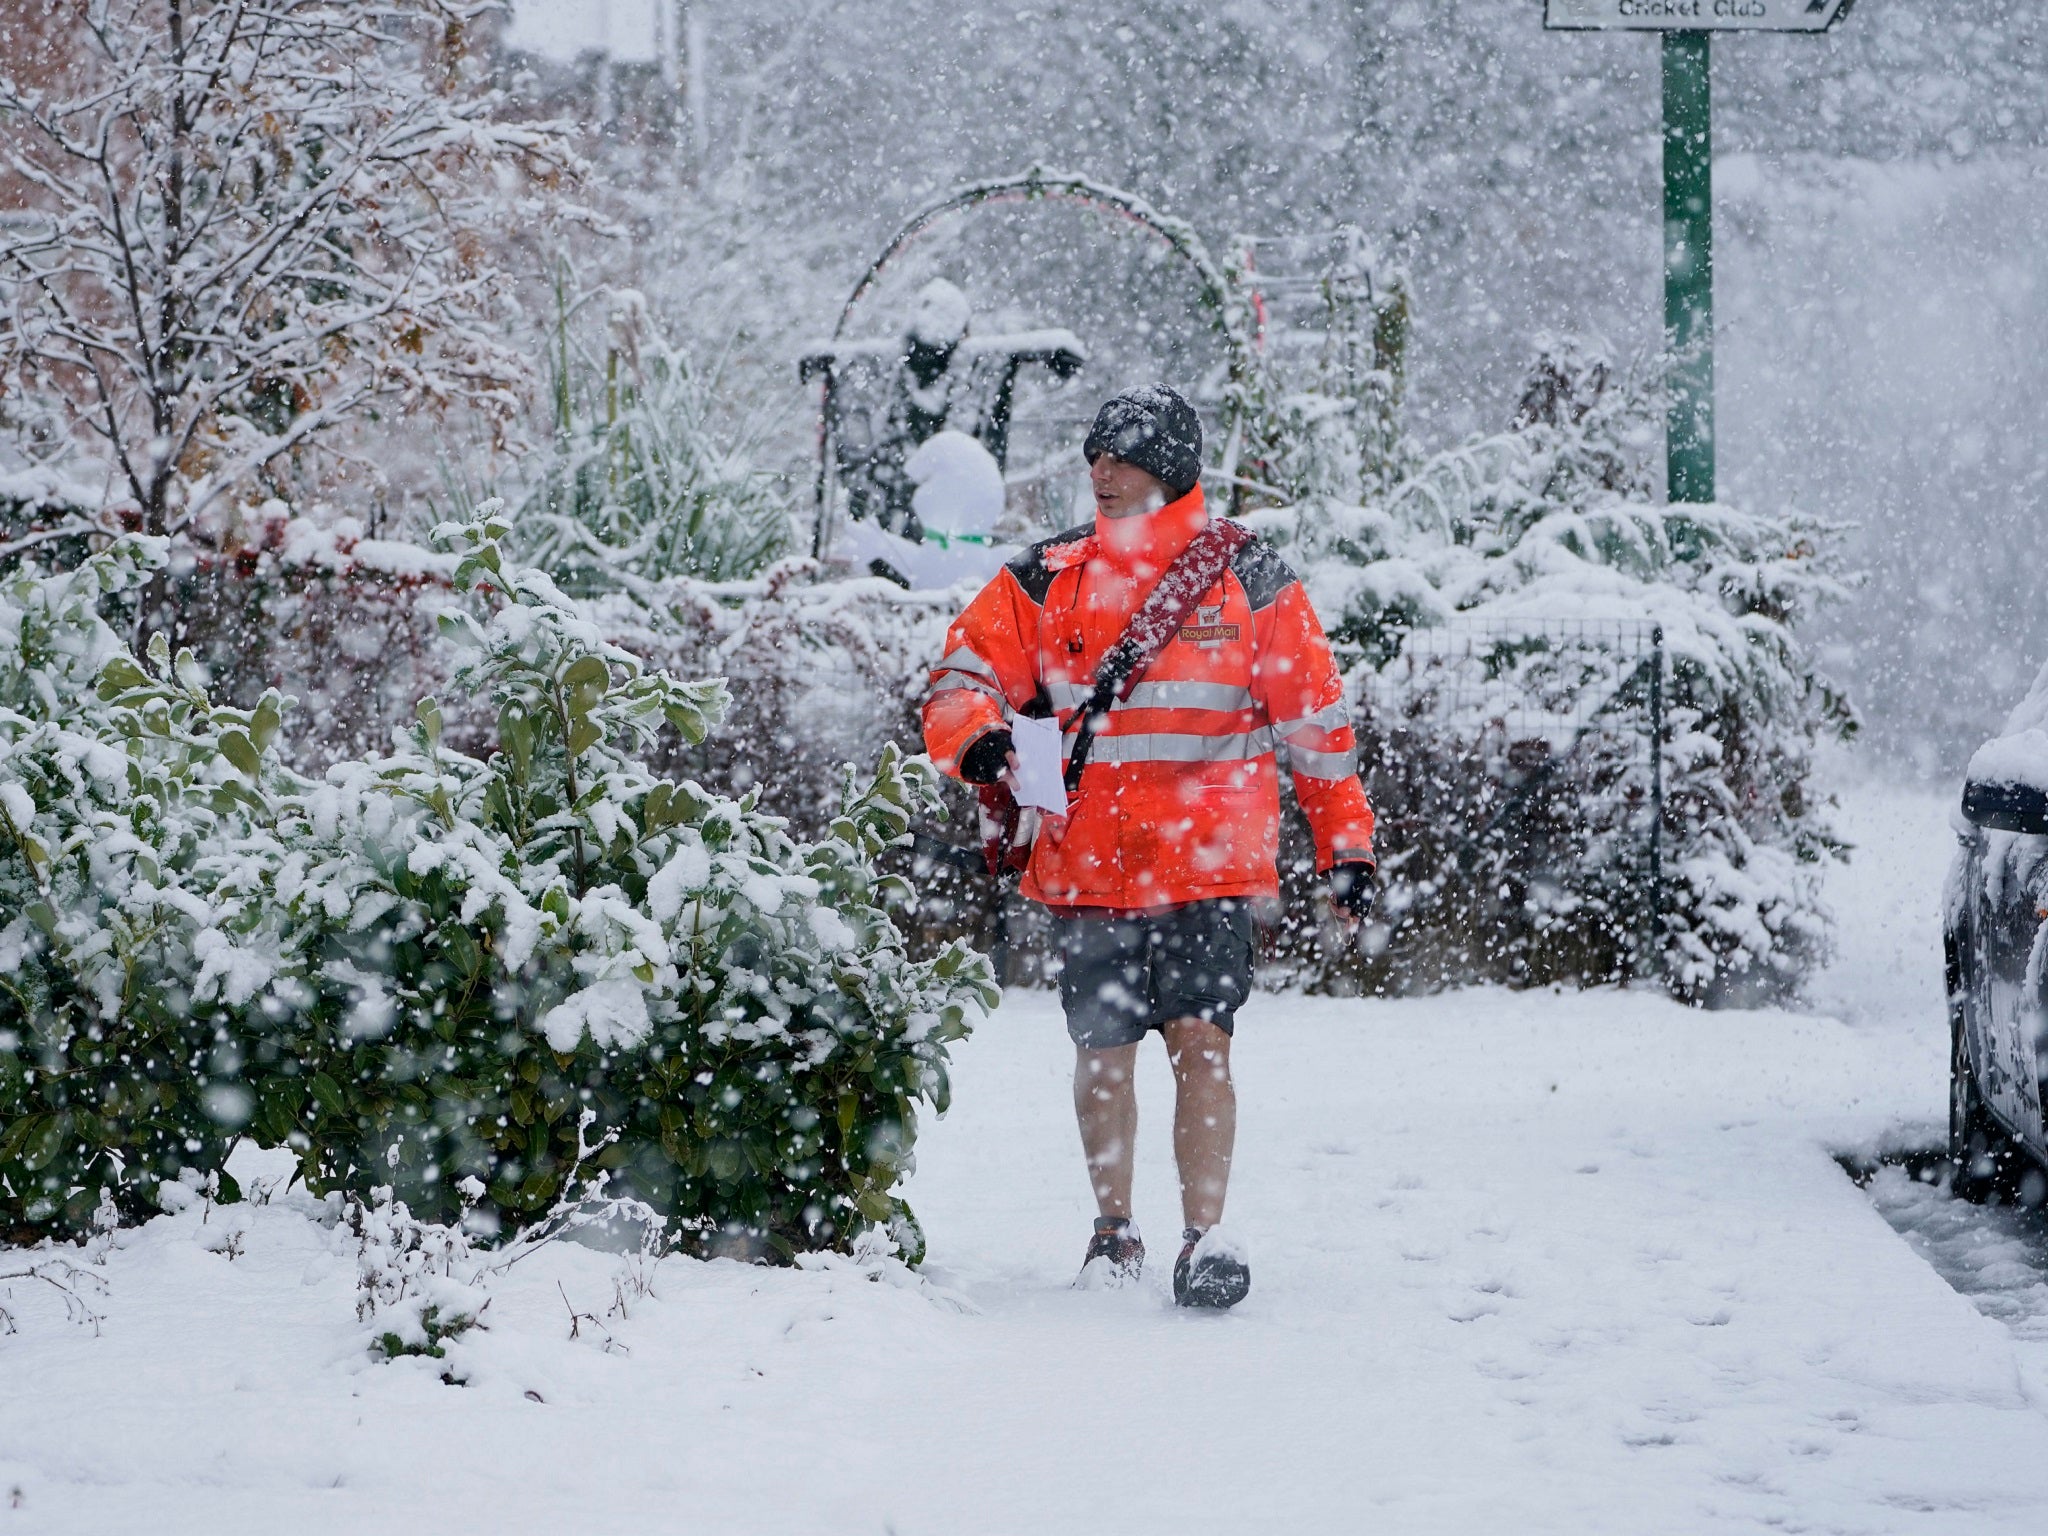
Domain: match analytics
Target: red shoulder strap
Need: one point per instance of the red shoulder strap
(1158, 619)
(1166, 607)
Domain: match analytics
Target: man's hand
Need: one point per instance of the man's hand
(987, 757)
(1351, 890)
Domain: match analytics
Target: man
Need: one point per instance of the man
(1172, 828)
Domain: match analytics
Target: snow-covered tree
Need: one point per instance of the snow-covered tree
(240, 225)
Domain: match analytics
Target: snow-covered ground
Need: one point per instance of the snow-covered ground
(1522, 1262)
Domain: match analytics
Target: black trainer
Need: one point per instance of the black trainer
(1213, 1270)
(1116, 1254)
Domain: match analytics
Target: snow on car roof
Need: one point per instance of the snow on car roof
(2019, 753)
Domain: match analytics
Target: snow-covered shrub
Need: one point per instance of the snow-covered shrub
(135, 917)
(820, 671)
(420, 1284)
(417, 1283)
(42, 509)
(423, 968)
(815, 667)
(512, 939)
(1505, 856)
(309, 604)
(640, 482)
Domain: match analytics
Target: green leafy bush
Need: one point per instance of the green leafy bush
(423, 968)
(120, 881)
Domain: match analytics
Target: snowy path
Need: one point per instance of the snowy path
(1613, 1282)
(1523, 1263)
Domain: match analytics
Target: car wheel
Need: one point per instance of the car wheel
(1981, 1158)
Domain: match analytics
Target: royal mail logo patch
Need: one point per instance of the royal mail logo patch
(1208, 631)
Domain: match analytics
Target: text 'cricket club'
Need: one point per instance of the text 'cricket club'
(1694, 15)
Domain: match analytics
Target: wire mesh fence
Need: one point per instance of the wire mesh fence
(1553, 681)
(1517, 767)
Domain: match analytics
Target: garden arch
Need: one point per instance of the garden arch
(1226, 303)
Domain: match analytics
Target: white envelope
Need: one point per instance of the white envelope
(1040, 778)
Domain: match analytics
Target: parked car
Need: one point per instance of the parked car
(1996, 932)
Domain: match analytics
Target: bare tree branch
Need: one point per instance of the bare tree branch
(249, 222)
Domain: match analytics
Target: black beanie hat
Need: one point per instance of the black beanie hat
(1152, 427)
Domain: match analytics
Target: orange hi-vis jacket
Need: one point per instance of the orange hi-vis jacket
(1179, 800)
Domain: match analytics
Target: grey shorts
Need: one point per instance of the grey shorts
(1123, 976)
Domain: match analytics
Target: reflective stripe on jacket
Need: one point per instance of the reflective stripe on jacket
(1179, 800)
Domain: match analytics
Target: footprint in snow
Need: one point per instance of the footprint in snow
(1648, 1440)
(1472, 1308)
(1483, 1297)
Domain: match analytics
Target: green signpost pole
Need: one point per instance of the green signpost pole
(1689, 266)
(1688, 27)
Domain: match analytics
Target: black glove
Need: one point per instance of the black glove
(985, 759)
(1351, 888)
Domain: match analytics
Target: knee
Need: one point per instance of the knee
(1199, 1051)
(1102, 1073)
(1211, 1067)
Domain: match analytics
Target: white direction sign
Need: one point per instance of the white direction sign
(1693, 15)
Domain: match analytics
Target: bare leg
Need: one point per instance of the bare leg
(1106, 1104)
(1204, 1118)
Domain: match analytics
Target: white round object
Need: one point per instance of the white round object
(959, 486)
(942, 314)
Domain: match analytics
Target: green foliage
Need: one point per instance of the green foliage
(432, 1342)
(641, 484)
(123, 794)
(423, 969)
